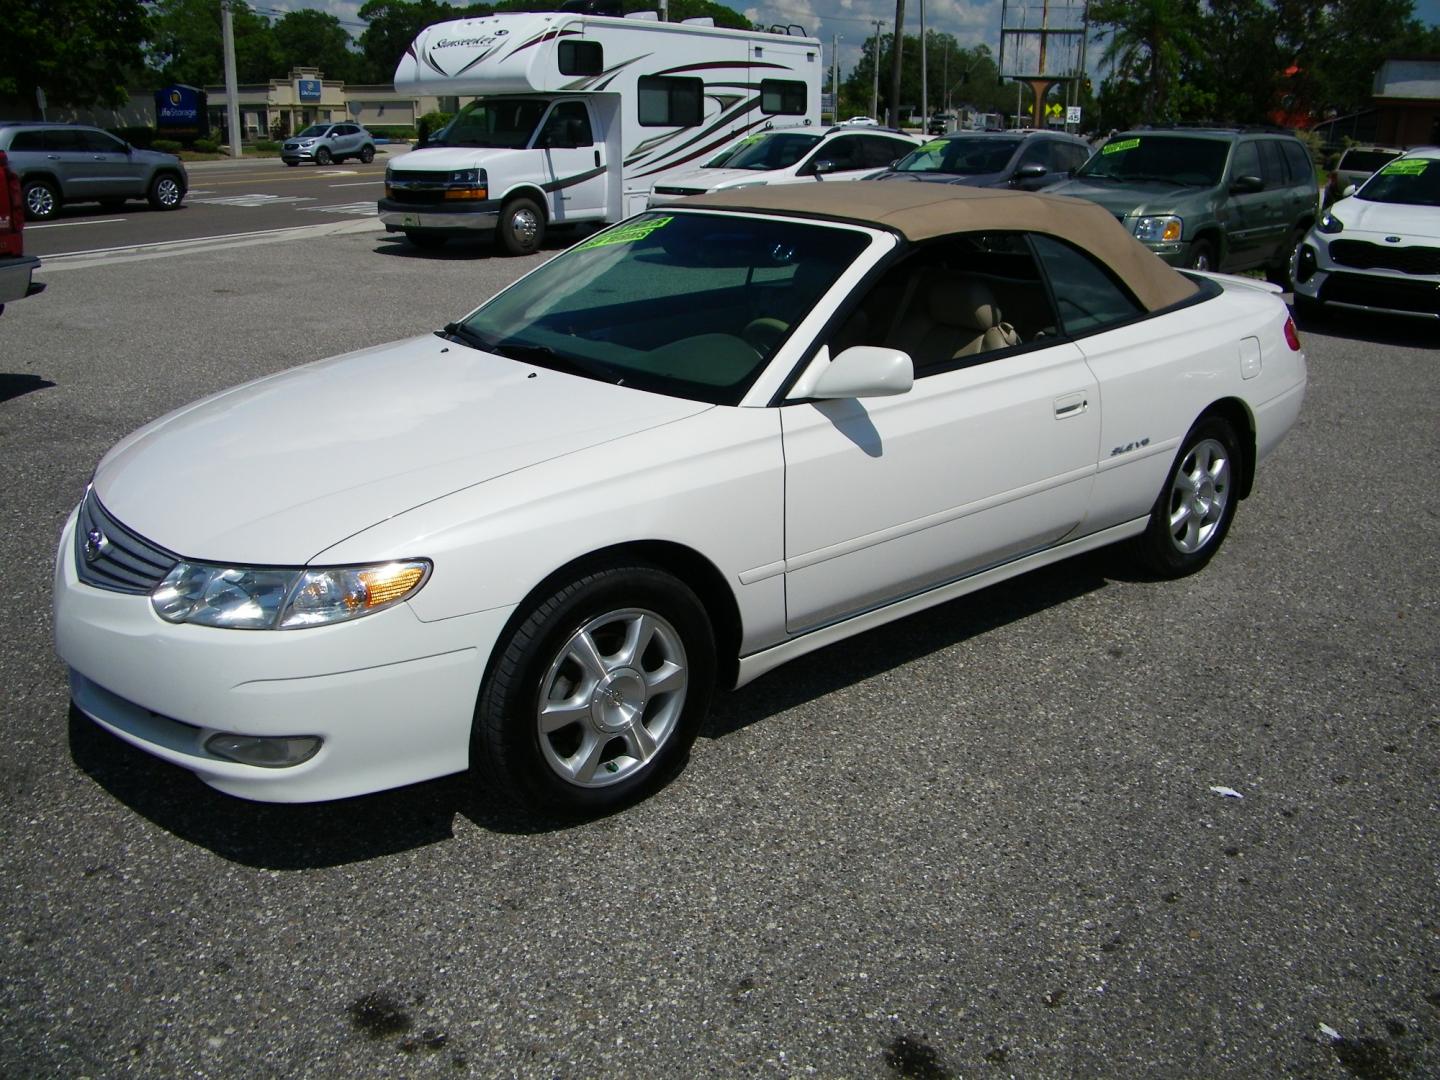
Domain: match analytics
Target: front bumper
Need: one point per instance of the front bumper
(453, 220)
(15, 278)
(391, 697)
(1320, 278)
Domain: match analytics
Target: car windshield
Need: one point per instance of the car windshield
(967, 155)
(772, 150)
(497, 122)
(314, 131)
(1163, 158)
(1409, 182)
(1365, 160)
(687, 304)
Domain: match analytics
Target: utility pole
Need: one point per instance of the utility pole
(924, 83)
(834, 78)
(875, 63)
(232, 105)
(896, 58)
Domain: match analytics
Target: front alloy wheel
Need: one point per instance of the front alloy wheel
(596, 693)
(165, 192)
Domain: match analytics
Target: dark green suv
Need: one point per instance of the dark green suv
(1206, 198)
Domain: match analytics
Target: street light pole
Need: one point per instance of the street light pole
(875, 63)
(924, 84)
(232, 93)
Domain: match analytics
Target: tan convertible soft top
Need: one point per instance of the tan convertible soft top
(922, 211)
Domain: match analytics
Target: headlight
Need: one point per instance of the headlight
(1163, 229)
(257, 598)
(467, 176)
(307, 142)
(1329, 223)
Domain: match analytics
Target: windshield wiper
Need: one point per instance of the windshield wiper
(544, 356)
(455, 331)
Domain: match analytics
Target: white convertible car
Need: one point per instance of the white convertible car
(692, 447)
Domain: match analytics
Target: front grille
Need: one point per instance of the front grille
(291, 146)
(665, 190)
(417, 198)
(412, 176)
(110, 556)
(1391, 294)
(1366, 256)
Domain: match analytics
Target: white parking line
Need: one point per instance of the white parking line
(69, 260)
(253, 200)
(65, 224)
(358, 183)
(365, 209)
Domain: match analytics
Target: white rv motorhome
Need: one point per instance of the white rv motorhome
(579, 115)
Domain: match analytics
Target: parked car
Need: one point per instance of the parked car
(16, 268)
(692, 447)
(1358, 163)
(61, 164)
(329, 143)
(1209, 199)
(1379, 249)
(1029, 160)
(792, 155)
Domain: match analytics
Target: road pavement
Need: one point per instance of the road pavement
(984, 841)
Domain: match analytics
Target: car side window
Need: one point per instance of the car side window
(1073, 156)
(1298, 158)
(1247, 161)
(567, 126)
(1272, 164)
(843, 153)
(952, 304)
(27, 140)
(1039, 152)
(64, 140)
(1089, 298)
(880, 151)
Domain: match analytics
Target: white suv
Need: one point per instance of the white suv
(791, 156)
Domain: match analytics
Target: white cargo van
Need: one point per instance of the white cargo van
(579, 115)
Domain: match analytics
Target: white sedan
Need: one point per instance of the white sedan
(694, 446)
(1379, 249)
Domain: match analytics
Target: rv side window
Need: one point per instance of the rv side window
(668, 102)
(581, 58)
(782, 97)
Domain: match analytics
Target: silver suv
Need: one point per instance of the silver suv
(69, 163)
(324, 143)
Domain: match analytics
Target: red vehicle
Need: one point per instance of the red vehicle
(16, 268)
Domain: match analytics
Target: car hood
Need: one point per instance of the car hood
(1124, 200)
(448, 158)
(1391, 219)
(719, 179)
(278, 470)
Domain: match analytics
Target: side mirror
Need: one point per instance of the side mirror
(1245, 185)
(825, 166)
(864, 371)
(1349, 190)
(1033, 171)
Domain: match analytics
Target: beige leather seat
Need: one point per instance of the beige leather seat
(951, 316)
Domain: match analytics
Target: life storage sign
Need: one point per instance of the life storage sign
(181, 113)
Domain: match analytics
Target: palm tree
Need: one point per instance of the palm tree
(1147, 38)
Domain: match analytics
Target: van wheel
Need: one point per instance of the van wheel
(597, 694)
(1202, 256)
(522, 226)
(367, 155)
(42, 201)
(165, 192)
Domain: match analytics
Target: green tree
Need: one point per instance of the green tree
(311, 38)
(80, 52)
(1146, 41)
(390, 27)
(971, 73)
(184, 43)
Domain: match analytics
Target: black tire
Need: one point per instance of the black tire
(1202, 256)
(323, 157)
(522, 226)
(1193, 511)
(427, 241)
(166, 192)
(641, 629)
(367, 154)
(1278, 272)
(42, 200)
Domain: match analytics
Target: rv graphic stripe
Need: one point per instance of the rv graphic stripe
(571, 181)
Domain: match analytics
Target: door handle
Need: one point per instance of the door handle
(1071, 405)
(597, 158)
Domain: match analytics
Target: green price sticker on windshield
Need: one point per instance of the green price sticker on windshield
(937, 144)
(626, 234)
(1408, 167)
(1119, 147)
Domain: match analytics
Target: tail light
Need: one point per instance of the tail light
(1292, 338)
(12, 209)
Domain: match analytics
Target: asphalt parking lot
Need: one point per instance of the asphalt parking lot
(984, 841)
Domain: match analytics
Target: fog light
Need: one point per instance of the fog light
(268, 752)
(1306, 264)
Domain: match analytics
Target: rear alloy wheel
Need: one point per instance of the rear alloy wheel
(1190, 518)
(367, 155)
(322, 156)
(42, 201)
(165, 192)
(522, 227)
(1202, 256)
(597, 694)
